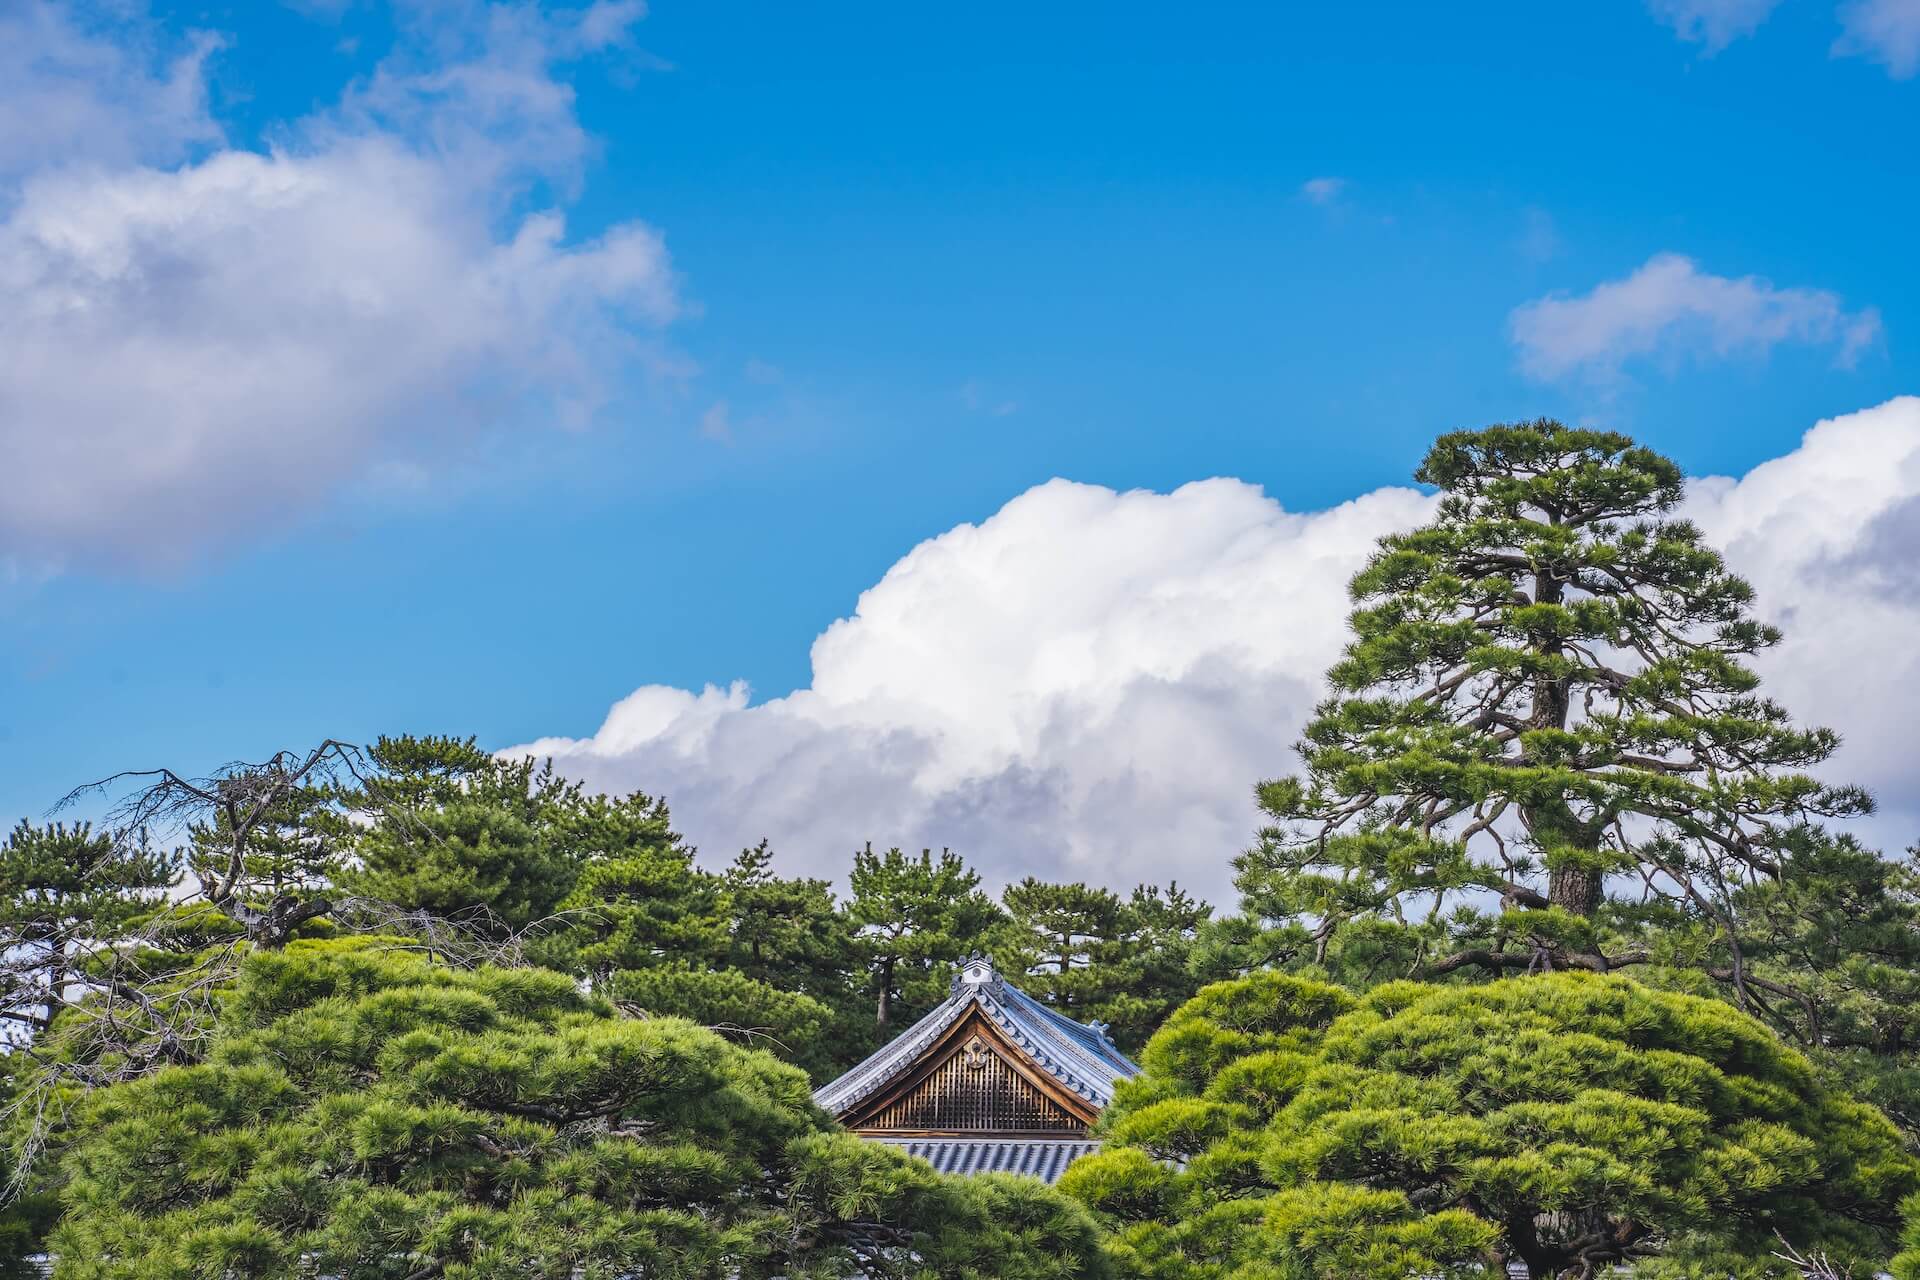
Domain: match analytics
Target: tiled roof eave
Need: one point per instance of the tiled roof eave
(1043, 1158)
(1053, 1066)
(1049, 1047)
(887, 1062)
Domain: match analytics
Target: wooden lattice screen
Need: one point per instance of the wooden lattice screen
(975, 1089)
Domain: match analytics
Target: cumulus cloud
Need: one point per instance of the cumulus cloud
(1887, 31)
(1087, 683)
(1670, 307)
(1714, 24)
(198, 340)
(1828, 536)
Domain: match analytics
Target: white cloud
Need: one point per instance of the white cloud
(106, 92)
(192, 349)
(1087, 683)
(1887, 31)
(1712, 23)
(1670, 307)
(1828, 536)
(1323, 190)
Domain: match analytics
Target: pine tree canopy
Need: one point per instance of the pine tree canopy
(65, 892)
(1906, 1263)
(1286, 1129)
(457, 832)
(1099, 957)
(365, 1114)
(915, 918)
(1547, 689)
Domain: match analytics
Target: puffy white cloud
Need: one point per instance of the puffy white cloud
(196, 349)
(1668, 306)
(1087, 683)
(1712, 23)
(1829, 535)
(1887, 31)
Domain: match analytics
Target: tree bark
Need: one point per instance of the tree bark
(1574, 889)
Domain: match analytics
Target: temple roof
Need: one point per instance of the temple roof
(1077, 1055)
(1042, 1158)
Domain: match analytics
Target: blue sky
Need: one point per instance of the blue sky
(911, 262)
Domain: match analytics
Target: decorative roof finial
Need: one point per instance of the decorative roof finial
(976, 971)
(1100, 1028)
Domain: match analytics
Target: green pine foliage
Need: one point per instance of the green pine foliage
(1569, 1122)
(639, 909)
(364, 1113)
(792, 1026)
(1096, 956)
(65, 893)
(1547, 687)
(1830, 955)
(788, 933)
(1906, 1263)
(27, 1215)
(457, 833)
(915, 919)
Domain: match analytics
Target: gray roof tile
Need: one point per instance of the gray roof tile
(1042, 1158)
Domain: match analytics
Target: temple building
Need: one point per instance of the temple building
(992, 1081)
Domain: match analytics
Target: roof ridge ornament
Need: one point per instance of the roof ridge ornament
(976, 971)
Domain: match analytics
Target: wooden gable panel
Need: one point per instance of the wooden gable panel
(973, 1081)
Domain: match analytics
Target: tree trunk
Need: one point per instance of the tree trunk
(1575, 889)
(274, 927)
(886, 989)
(1542, 1262)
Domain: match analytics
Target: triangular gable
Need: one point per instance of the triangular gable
(972, 1079)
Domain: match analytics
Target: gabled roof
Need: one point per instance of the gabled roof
(1078, 1056)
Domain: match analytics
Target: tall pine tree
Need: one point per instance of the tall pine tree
(1547, 690)
(916, 919)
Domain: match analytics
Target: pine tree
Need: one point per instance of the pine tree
(26, 1211)
(1546, 687)
(457, 833)
(644, 909)
(1066, 938)
(367, 1114)
(795, 1028)
(916, 919)
(65, 893)
(1101, 958)
(1153, 974)
(1906, 1263)
(1567, 1123)
(265, 839)
(787, 933)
